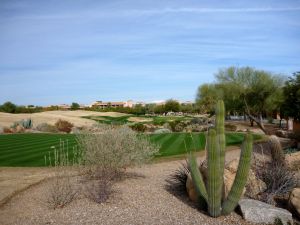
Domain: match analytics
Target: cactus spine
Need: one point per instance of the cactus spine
(216, 162)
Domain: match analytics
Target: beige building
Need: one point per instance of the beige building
(103, 105)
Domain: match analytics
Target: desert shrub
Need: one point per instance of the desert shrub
(100, 188)
(45, 127)
(279, 180)
(230, 127)
(62, 191)
(7, 130)
(162, 131)
(115, 148)
(107, 153)
(138, 127)
(199, 120)
(177, 126)
(64, 126)
(176, 181)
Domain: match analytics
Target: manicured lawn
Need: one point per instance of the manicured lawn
(109, 119)
(30, 149)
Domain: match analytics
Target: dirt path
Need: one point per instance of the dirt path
(140, 199)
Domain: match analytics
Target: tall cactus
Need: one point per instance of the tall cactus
(216, 162)
(214, 180)
(221, 143)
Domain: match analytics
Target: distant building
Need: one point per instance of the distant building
(103, 105)
(64, 106)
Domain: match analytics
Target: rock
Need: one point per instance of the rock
(190, 189)
(19, 129)
(293, 160)
(1, 130)
(254, 185)
(259, 212)
(294, 201)
(75, 130)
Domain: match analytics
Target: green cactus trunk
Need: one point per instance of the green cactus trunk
(198, 181)
(212, 196)
(214, 182)
(221, 143)
(240, 178)
(276, 150)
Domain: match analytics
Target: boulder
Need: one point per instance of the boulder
(190, 189)
(294, 201)
(259, 212)
(293, 160)
(254, 185)
(19, 129)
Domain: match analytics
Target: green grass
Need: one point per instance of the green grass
(30, 149)
(157, 120)
(120, 120)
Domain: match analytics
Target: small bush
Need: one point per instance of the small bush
(64, 126)
(198, 120)
(176, 182)
(44, 127)
(279, 180)
(139, 127)
(100, 189)
(115, 148)
(7, 130)
(60, 193)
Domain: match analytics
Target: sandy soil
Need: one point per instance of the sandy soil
(15, 180)
(140, 199)
(7, 119)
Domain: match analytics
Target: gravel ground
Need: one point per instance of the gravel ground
(139, 199)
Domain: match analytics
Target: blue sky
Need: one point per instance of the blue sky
(54, 52)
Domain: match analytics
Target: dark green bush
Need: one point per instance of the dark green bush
(139, 127)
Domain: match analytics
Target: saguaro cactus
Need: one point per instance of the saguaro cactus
(212, 193)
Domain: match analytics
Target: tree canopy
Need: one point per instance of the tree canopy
(244, 90)
(291, 91)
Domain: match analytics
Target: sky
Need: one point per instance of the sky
(64, 51)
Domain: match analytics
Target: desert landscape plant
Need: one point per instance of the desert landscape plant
(115, 148)
(62, 191)
(210, 194)
(106, 155)
(64, 126)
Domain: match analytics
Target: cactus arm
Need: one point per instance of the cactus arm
(214, 182)
(198, 180)
(221, 143)
(241, 176)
